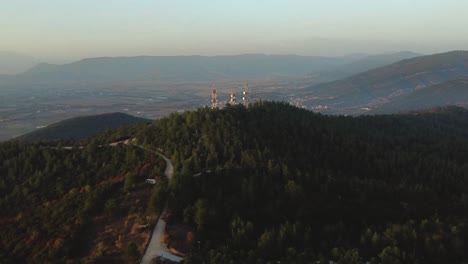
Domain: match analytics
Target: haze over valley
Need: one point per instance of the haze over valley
(154, 86)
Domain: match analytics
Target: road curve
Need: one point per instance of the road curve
(157, 247)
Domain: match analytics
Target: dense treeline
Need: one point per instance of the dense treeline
(278, 183)
(53, 199)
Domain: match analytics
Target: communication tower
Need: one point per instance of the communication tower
(233, 98)
(245, 95)
(214, 100)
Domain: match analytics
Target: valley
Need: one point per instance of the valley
(22, 112)
(47, 94)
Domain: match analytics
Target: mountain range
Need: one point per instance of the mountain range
(205, 68)
(355, 84)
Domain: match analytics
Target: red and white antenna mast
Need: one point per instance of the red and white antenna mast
(245, 95)
(214, 100)
(232, 101)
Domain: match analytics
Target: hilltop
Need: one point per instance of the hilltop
(287, 184)
(81, 127)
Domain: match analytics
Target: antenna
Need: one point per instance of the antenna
(214, 100)
(245, 95)
(233, 98)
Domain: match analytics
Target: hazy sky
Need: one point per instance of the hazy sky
(58, 30)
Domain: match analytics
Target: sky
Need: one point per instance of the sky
(65, 30)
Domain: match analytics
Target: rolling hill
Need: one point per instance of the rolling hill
(81, 127)
(376, 87)
(366, 63)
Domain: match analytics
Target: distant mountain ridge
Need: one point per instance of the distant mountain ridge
(379, 86)
(14, 63)
(366, 63)
(206, 68)
(81, 127)
(182, 68)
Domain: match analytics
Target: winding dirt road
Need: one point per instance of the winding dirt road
(157, 247)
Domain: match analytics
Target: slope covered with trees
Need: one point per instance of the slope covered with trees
(77, 205)
(277, 183)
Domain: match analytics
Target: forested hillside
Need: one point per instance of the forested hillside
(81, 127)
(78, 205)
(283, 184)
(270, 183)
